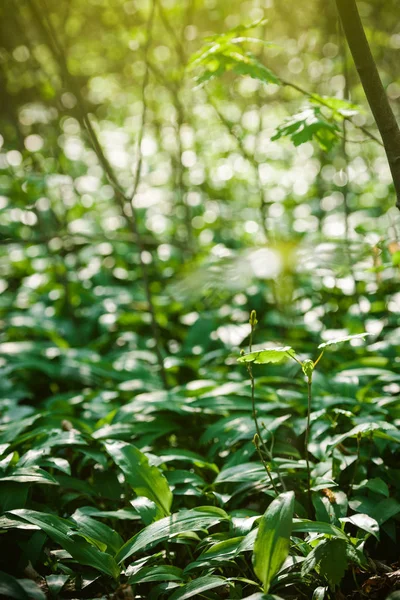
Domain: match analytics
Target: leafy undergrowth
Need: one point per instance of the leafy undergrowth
(114, 487)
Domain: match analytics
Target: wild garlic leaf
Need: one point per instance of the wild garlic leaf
(273, 538)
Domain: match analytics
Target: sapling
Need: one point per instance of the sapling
(276, 355)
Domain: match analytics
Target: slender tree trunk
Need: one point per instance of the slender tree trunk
(373, 88)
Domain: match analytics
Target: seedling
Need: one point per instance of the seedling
(276, 355)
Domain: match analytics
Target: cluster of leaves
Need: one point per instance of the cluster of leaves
(320, 120)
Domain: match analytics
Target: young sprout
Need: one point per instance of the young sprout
(277, 355)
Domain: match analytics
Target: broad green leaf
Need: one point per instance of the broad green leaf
(121, 514)
(378, 429)
(30, 475)
(250, 471)
(197, 587)
(385, 510)
(348, 338)
(273, 538)
(61, 531)
(267, 355)
(181, 522)
(303, 525)
(157, 573)
(364, 522)
(146, 480)
(98, 531)
(378, 486)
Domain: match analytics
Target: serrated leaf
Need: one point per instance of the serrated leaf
(348, 338)
(330, 556)
(307, 125)
(334, 561)
(223, 53)
(271, 546)
(267, 355)
(146, 480)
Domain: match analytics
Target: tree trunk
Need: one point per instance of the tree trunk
(373, 88)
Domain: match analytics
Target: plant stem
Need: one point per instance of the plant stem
(309, 387)
(258, 438)
(355, 466)
(373, 87)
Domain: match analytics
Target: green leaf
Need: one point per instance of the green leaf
(197, 587)
(348, 338)
(331, 557)
(30, 475)
(61, 531)
(55, 583)
(19, 589)
(181, 522)
(378, 486)
(146, 480)
(267, 355)
(273, 538)
(364, 522)
(319, 593)
(157, 573)
(98, 531)
(306, 125)
(334, 561)
(303, 525)
(223, 53)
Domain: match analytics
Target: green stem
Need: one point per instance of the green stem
(309, 386)
(355, 466)
(258, 438)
